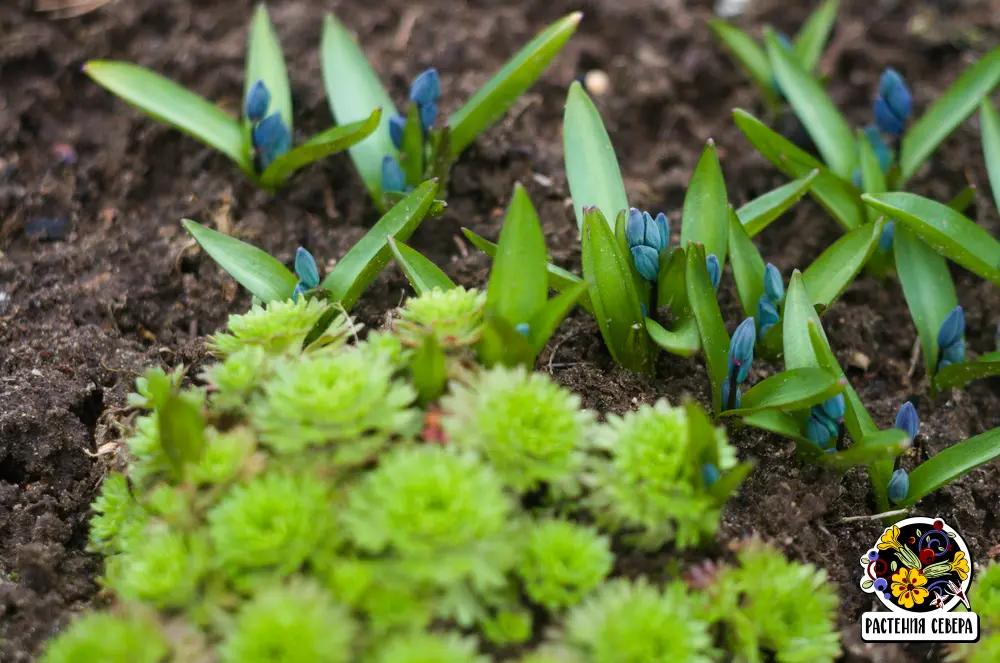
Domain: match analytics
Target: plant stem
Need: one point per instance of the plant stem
(840, 437)
(731, 401)
(654, 297)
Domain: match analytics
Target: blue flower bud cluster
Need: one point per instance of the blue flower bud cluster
(950, 338)
(893, 104)
(825, 421)
(306, 270)
(647, 238)
(740, 358)
(425, 92)
(899, 482)
(774, 294)
(269, 134)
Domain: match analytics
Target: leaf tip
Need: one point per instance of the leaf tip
(576, 17)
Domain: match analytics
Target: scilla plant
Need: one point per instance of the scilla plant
(296, 503)
(411, 147)
(260, 142)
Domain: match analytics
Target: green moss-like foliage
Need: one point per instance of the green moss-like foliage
(300, 505)
(984, 596)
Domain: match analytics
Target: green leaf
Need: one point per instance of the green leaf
(945, 115)
(612, 292)
(437, 209)
(595, 179)
(956, 376)
(545, 322)
(182, 432)
(750, 55)
(353, 91)
(989, 122)
(795, 389)
(411, 155)
(880, 446)
(518, 286)
(826, 125)
(176, 106)
(783, 424)
(441, 159)
(836, 195)
(965, 197)
(859, 423)
(761, 211)
(811, 39)
(872, 178)
(682, 341)
(952, 463)
(835, 269)
(266, 278)
(711, 327)
(422, 274)
(266, 62)
(331, 141)
(928, 288)
(500, 343)
(499, 93)
(683, 338)
(795, 316)
(948, 232)
(560, 279)
(730, 481)
(705, 217)
(359, 267)
(429, 370)
(748, 266)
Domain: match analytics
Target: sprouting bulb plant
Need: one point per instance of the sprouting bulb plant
(307, 271)
(740, 359)
(826, 423)
(769, 304)
(260, 142)
(409, 148)
(951, 338)
(647, 238)
(899, 483)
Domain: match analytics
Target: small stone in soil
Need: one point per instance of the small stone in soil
(52, 229)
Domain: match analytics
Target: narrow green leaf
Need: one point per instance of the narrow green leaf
(682, 338)
(859, 423)
(682, 341)
(948, 232)
(783, 424)
(441, 159)
(595, 180)
(266, 278)
(353, 91)
(812, 38)
(359, 267)
(705, 217)
(174, 105)
(182, 432)
(761, 211)
(826, 125)
(836, 195)
(952, 463)
(795, 389)
(501, 344)
(422, 274)
(560, 279)
(945, 115)
(429, 370)
(549, 317)
(748, 266)
(616, 303)
(835, 269)
(518, 286)
(956, 376)
(331, 141)
(437, 209)
(880, 446)
(795, 316)
(928, 288)
(492, 100)
(730, 481)
(411, 155)
(266, 62)
(749, 54)
(873, 180)
(965, 197)
(711, 327)
(989, 122)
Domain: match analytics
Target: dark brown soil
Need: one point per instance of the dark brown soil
(116, 284)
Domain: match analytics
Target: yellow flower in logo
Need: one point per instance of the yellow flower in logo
(908, 587)
(960, 565)
(890, 539)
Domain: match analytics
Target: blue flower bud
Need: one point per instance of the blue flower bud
(817, 431)
(952, 329)
(767, 314)
(642, 229)
(774, 286)
(647, 262)
(709, 474)
(714, 271)
(299, 290)
(426, 88)
(885, 239)
(428, 116)
(893, 104)
(257, 102)
(305, 268)
(725, 394)
(835, 408)
(663, 226)
(953, 354)
(523, 328)
(899, 486)
(635, 228)
(270, 139)
(397, 125)
(907, 420)
(393, 177)
(741, 350)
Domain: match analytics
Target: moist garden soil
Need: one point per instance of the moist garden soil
(98, 280)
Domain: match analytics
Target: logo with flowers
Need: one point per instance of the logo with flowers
(918, 565)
